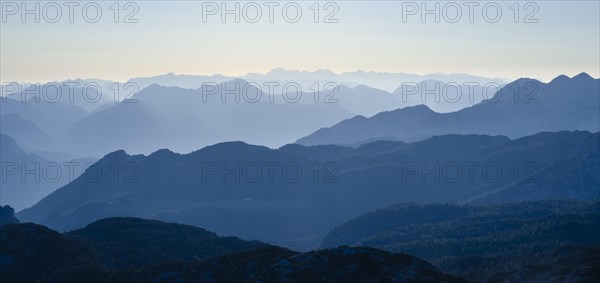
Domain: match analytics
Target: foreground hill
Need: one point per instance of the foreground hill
(520, 108)
(475, 242)
(31, 252)
(295, 194)
(357, 264)
(147, 250)
(342, 264)
(122, 243)
(565, 264)
(233, 267)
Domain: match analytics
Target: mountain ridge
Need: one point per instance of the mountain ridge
(562, 104)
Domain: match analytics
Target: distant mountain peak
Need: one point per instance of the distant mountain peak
(236, 80)
(582, 76)
(116, 155)
(154, 85)
(560, 78)
(357, 118)
(420, 108)
(231, 146)
(162, 152)
(282, 71)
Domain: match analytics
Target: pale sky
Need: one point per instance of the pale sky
(370, 35)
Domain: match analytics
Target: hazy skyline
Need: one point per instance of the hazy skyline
(174, 37)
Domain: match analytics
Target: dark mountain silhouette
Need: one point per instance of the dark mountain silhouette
(475, 242)
(357, 264)
(122, 243)
(32, 252)
(198, 200)
(7, 215)
(104, 251)
(568, 263)
(520, 108)
(241, 266)
(257, 193)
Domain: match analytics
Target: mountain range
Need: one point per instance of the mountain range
(386, 81)
(505, 244)
(183, 120)
(256, 192)
(186, 119)
(133, 250)
(480, 241)
(522, 107)
(499, 187)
